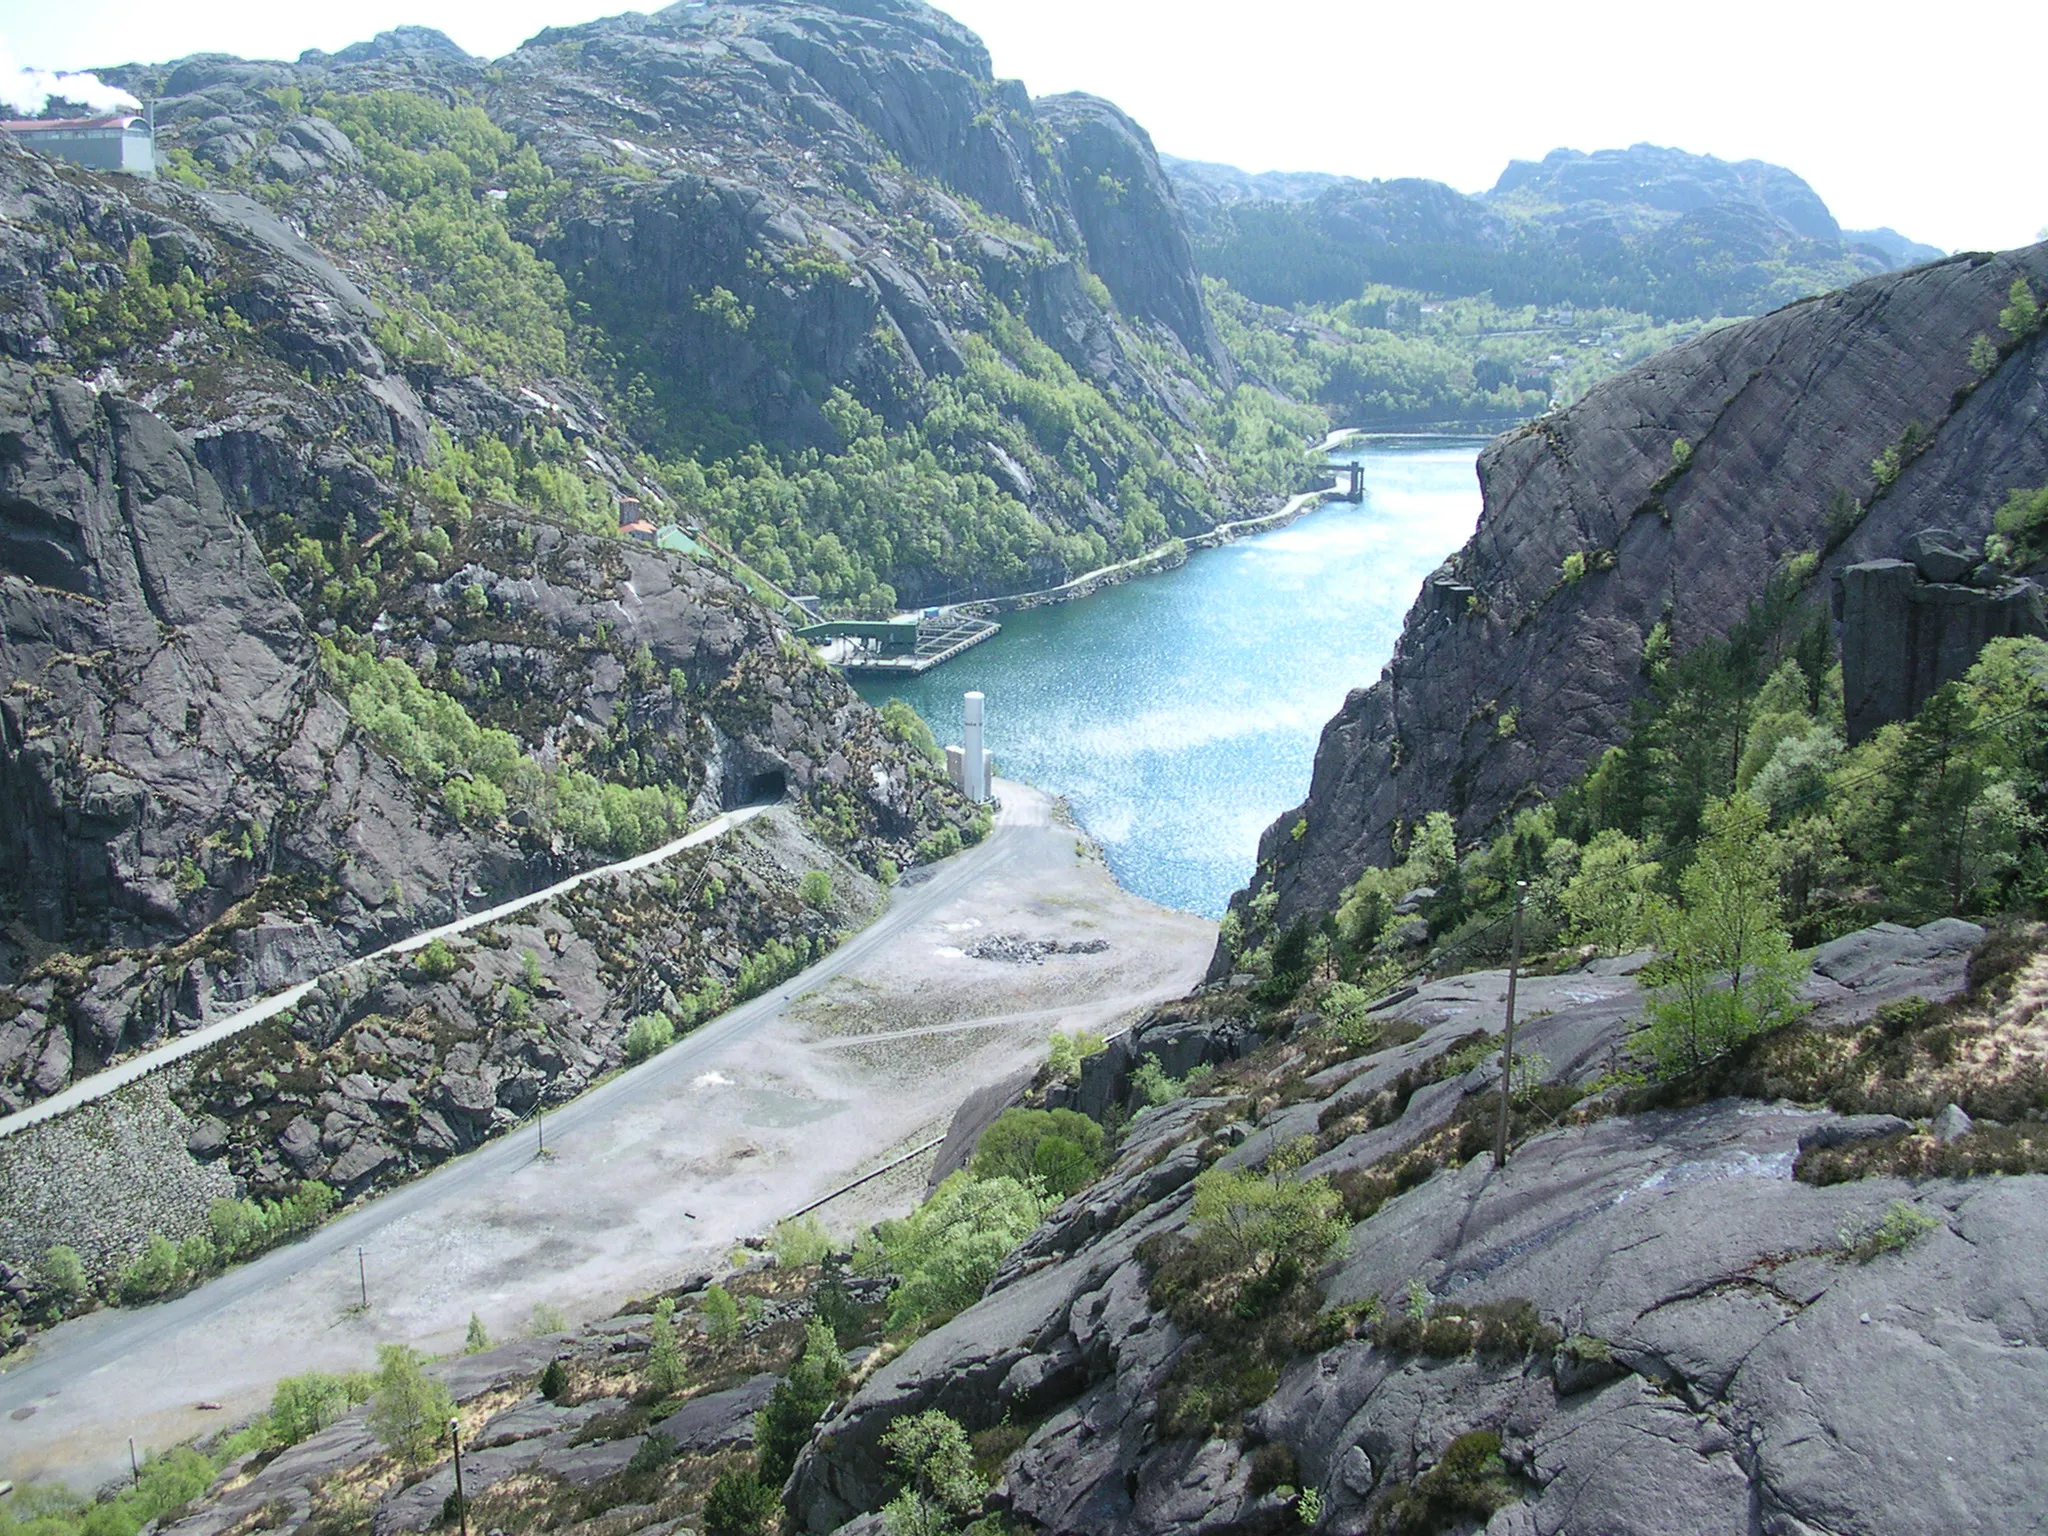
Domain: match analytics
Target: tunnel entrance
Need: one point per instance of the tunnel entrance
(765, 788)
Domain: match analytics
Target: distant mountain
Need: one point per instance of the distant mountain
(1901, 251)
(1647, 228)
(1646, 185)
(1205, 186)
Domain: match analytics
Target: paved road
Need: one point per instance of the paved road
(85, 1090)
(660, 1167)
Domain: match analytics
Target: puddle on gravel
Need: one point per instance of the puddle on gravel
(768, 1108)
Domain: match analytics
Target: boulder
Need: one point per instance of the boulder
(1903, 637)
(209, 1138)
(1890, 958)
(718, 1421)
(1942, 554)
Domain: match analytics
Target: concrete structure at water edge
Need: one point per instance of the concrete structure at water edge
(118, 142)
(909, 645)
(969, 765)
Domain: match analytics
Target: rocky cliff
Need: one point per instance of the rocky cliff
(214, 503)
(1681, 486)
(718, 219)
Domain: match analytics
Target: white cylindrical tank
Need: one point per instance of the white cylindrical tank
(975, 767)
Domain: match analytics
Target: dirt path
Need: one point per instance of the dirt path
(657, 1172)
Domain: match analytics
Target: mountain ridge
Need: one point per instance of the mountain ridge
(1649, 226)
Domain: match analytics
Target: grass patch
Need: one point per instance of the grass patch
(1986, 1051)
(1469, 1484)
(1243, 1284)
(1510, 1329)
(1915, 1155)
(1896, 1229)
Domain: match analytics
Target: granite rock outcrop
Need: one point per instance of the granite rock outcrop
(1693, 477)
(1689, 1336)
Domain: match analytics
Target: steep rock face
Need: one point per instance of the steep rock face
(758, 205)
(1131, 221)
(165, 688)
(1781, 414)
(192, 818)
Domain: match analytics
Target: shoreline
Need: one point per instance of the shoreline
(1167, 557)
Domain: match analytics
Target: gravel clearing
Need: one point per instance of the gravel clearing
(657, 1173)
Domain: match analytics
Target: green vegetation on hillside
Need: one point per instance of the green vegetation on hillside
(477, 292)
(1733, 810)
(946, 1251)
(1060, 1148)
(480, 773)
(1243, 1282)
(2021, 539)
(923, 502)
(1400, 357)
(919, 499)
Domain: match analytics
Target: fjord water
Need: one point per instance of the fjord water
(1178, 714)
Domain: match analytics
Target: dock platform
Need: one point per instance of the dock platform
(889, 648)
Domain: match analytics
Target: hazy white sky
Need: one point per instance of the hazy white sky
(1923, 124)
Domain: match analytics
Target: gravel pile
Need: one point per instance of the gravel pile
(1014, 949)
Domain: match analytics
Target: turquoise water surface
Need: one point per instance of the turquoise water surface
(1178, 714)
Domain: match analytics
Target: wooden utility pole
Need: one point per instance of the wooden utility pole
(1507, 1046)
(461, 1502)
(363, 1276)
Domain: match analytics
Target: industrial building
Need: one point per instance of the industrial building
(117, 142)
(907, 646)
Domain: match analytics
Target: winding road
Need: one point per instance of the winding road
(104, 1082)
(668, 1163)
